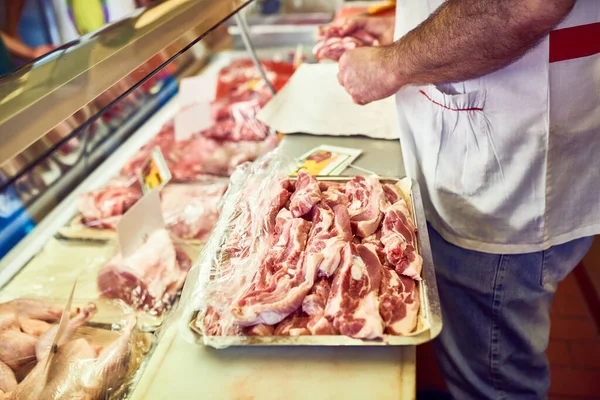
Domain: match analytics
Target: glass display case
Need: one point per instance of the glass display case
(177, 83)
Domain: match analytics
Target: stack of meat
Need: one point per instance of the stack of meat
(150, 278)
(334, 41)
(190, 210)
(235, 137)
(334, 259)
(73, 369)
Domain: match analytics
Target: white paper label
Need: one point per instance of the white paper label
(192, 119)
(197, 89)
(139, 222)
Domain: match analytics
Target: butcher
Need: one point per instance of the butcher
(499, 110)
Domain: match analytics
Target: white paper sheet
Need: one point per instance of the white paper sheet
(314, 102)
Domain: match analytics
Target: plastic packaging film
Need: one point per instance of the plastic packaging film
(286, 255)
(93, 358)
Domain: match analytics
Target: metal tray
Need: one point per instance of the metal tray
(430, 315)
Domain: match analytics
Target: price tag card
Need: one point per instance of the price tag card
(155, 172)
(327, 160)
(192, 119)
(197, 89)
(139, 222)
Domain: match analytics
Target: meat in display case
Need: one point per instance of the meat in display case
(236, 252)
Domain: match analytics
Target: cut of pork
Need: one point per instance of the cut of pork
(398, 303)
(190, 210)
(314, 306)
(306, 195)
(398, 236)
(353, 304)
(281, 282)
(150, 277)
(330, 232)
(294, 324)
(103, 208)
(367, 200)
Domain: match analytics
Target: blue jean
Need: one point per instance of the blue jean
(496, 315)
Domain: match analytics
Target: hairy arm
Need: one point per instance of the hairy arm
(466, 39)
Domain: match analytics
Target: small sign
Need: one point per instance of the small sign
(139, 222)
(197, 89)
(327, 160)
(192, 119)
(155, 172)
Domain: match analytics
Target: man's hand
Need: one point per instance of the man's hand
(380, 27)
(365, 75)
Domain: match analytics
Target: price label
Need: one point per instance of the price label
(155, 172)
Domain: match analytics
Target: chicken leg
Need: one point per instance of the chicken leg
(8, 381)
(43, 345)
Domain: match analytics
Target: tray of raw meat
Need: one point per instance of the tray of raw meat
(315, 261)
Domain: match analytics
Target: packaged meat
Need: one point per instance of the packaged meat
(191, 210)
(241, 75)
(148, 279)
(287, 260)
(76, 361)
(335, 40)
(102, 208)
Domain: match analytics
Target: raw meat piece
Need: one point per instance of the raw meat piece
(400, 242)
(392, 193)
(330, 232)
(367, 200)
(353, 304)
(242, 74)
(190, 210)
(103, 208)
(165, 140)
(334, 196)
(375, 241)
(21, 322)
(213, 324)
(314, 306)
(77, 371)
(150, 277)
(282, 281)
(398, 303)
(200, 155)
(42, 347)
(334, 41)
(306, 195)
(237, 130)
(293, 325)
(260, 330)
(239, 107)
(8, 381)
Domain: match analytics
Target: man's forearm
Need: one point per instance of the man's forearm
(465, 39)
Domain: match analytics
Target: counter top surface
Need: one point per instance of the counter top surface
(383, 157)
(182, 370)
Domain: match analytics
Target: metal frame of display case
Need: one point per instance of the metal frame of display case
(38, 97)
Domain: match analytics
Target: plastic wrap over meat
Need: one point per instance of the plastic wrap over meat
(148, 279)
(39, 361)
(102, 208)
(334, 41)
(241, 75)
(286, 259)
(190, 210)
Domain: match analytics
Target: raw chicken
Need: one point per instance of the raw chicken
(21, 322)
(149, 278)
(76, 370)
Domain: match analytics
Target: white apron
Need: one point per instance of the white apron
(510, 162)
